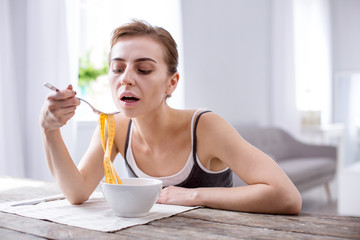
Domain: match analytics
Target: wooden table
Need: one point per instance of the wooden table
(201, 223)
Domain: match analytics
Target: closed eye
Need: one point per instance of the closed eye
(118, 70)
(144, 72)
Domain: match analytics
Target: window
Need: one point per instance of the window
(312, 61)
(97, 19)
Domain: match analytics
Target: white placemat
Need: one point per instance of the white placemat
(94, 214)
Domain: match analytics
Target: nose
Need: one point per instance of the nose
(127, 78)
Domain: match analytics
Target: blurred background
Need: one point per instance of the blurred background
(288, 63)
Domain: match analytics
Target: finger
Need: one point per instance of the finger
(62, 94)
(60, 107)
(56, 106)
(65, 118)
(61, 116)
(68, 110)
(70, 102)
(69, 115)
(70, 87)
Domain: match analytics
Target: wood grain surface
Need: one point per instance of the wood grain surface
(201, 223)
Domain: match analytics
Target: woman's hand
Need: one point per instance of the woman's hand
(58, 108)
(178, 196)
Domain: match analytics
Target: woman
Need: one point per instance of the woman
(193, 152)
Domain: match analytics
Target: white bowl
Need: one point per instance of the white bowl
(134, 198)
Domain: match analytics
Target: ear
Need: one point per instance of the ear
(172, 84)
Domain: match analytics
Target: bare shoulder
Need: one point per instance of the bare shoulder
(217, 133)
(219, 144)
(212, 123)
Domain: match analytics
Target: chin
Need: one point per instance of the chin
(129, 113)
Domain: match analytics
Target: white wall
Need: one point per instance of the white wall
(227, 58)
(346, 35)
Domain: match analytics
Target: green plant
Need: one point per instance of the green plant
(87, 71)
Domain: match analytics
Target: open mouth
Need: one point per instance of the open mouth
(129, 99)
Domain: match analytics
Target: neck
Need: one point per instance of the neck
(156, 127)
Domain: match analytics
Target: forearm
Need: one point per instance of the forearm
(260, 198)
(62, 167)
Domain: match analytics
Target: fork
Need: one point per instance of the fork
(95, 110)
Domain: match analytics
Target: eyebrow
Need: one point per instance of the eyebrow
(137, 60)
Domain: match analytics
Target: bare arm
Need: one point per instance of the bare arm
(76, 185)
(269, 190)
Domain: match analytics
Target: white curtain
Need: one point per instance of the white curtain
(300, 59)
(34, 49)
(283, 90)
(313, 57)
(12, 147)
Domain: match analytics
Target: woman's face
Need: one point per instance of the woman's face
(138, 75)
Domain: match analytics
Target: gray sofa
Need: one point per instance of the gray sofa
(306, 165)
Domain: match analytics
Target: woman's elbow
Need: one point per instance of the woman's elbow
(295, 206)
(76, 200)
(292, 202)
